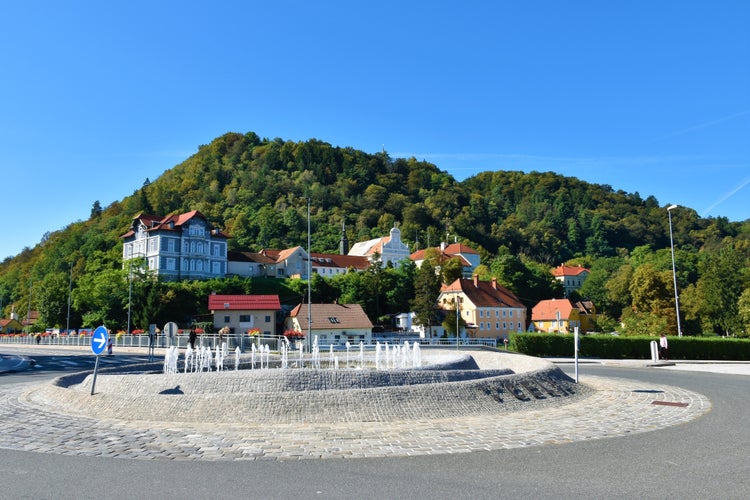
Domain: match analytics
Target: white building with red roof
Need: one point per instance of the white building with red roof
(571, 277)
(488, 309)
(241, 313)
(469, 257)
(180, 246)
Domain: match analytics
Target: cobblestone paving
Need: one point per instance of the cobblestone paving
(616, 407)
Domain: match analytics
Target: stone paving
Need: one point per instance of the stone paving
(605, 408)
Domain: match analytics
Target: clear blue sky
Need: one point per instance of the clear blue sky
(646, 96)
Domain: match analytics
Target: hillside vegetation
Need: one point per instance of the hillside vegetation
(522, 224)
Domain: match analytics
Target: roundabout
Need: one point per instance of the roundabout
(508, 401)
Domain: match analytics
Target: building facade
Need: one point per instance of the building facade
(488, 309)
(389, 249)
(176, 247)
(242, 313)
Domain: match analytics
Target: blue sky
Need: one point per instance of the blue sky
(645, 96)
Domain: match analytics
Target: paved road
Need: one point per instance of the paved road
(704, 458)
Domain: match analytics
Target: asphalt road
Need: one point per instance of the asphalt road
(705, 458)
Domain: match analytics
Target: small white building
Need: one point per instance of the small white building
(389, 248)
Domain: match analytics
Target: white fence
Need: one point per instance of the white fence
(244, 342)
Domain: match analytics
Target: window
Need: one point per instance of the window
(481, 313)
(504, 312)
(216, 268)
(268, 319)
(226, 319)
(245, 318)
(505, 326)
(333, 320)
(171, 263)
(481, 325)
(519, 326)
(497, 326)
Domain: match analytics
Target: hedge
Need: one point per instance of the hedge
(619, 347)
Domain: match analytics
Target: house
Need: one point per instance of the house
(181, 246)
(240, 313)
(572, 277)
(488, 309)
(469, 257)
(406, 322)
(333, 324)
(292, 263)
(389, 248)
(10, 326)
(328, 265)
(563, 316)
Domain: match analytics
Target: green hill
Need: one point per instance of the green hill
(256, 190)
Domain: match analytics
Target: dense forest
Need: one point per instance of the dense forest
(522, 224)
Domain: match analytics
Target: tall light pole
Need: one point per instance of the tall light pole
(674, 271)
(309, 281)
(70, 289)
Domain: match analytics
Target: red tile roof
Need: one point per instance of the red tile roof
(484, 293)
(244, 302)
(564, 270)
(332, 316)
(167, 223)
(548, 309)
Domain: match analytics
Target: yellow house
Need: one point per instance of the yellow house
(562, 316)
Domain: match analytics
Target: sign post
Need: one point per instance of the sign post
(99, 341)
(575, 350)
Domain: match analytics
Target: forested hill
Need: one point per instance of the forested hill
(257, 189)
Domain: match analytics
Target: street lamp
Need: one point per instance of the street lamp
(674, 271)
(458, 317)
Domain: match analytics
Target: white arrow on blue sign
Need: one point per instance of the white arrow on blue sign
(99, 340)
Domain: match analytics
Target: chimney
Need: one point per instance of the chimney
(476, 280)
(494, 283)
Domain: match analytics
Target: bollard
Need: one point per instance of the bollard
(654, 351)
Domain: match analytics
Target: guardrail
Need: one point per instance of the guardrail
(244, 342)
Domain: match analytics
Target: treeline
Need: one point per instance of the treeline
(522, 224)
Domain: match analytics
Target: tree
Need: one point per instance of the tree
(743, 306)
(426, 291)
(452, 270)
(96, 209)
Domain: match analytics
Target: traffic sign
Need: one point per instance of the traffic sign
(99, 340)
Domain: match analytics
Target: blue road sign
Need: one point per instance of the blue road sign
(99, 340)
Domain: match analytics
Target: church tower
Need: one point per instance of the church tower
(344, 243)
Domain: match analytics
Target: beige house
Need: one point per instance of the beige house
(334, 324)
(488, 309)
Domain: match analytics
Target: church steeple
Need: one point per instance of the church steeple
(344, 243)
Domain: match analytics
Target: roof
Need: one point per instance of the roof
(244, 303)
(563, 270)
(459, 248)
(167, 223)
(443, 256)
(548, 309)
(484, 293)
(337, 316)
(340, 261)
(369, 247)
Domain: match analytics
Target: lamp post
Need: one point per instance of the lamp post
(70, 289)
(674, 271)
(309, 282)
(458, 317)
